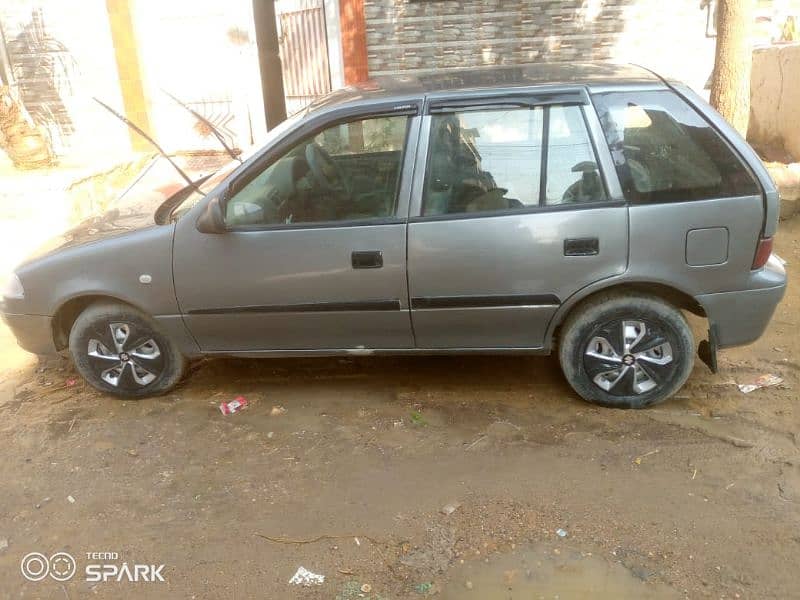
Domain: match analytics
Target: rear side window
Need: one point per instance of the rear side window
(484, 160)
(509, 159)
(572, 174)
(664, 151)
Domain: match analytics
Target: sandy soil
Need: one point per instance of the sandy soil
(698, 497)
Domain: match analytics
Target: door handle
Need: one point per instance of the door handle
(581, 247)
(367, 259)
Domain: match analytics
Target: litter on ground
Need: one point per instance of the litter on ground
(450, 508)
(766, 380)
(234, 406)
(306, 578)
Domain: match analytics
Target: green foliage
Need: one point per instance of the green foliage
(417, 418)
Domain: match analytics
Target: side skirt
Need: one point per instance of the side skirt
(378, 352)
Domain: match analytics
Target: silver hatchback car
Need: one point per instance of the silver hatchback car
(576, 207)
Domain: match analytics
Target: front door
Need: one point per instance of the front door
(511, 215)
(315, 252)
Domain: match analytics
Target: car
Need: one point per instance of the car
(581, 209)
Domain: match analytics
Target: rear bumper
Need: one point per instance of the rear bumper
(740, 317)
(34, 333)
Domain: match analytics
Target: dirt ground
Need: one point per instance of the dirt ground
(698, 497)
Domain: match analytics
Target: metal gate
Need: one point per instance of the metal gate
(304, 51)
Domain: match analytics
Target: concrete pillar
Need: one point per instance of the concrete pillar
(333, 32)
(130, 74)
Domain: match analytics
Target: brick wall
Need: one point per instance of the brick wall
(423, 35)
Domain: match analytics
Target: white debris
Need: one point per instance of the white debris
(306, 578)
(71, 499)
(3, 544)
(767, 380)
(449, 508)
(561, 533)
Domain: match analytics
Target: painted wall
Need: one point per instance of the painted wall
(775, 99)
(62, 57)
(204, 53)
(130, 52)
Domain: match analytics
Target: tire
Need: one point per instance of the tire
(143, 362)
(630, 351)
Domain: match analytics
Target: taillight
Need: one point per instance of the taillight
(763, 250)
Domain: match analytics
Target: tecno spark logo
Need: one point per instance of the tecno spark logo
(101, 567)
(36, 566)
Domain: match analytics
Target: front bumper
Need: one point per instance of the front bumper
(739, 318)
(34, 333)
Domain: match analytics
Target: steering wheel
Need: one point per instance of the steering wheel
(328, 174)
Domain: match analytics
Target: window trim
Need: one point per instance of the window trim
(534, 209)
(308, 130)
(347, 223)
(520, 98)
(498, 103)
(544, 157)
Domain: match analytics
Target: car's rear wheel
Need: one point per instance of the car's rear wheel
(121, 351)
(628, 351)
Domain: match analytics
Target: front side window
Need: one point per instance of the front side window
(349, 171)
(492, 159)
(664, 151)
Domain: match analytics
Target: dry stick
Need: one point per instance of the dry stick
(480, 437)
(282, 540)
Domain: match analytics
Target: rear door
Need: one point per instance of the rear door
(511, 214)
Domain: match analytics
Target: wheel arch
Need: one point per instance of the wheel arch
(675, 296)
(69, 310)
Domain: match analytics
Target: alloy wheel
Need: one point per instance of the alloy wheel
(629, 357)
(125, 356)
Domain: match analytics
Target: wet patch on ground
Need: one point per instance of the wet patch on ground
(546, 572)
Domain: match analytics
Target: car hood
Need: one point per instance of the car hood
(132, 212)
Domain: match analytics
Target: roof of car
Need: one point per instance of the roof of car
(416, 85)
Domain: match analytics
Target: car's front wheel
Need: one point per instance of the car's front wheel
(121, 351)
(629, 351)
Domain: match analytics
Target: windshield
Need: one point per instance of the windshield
(219, 176)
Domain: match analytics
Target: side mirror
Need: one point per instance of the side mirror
(212, 219)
